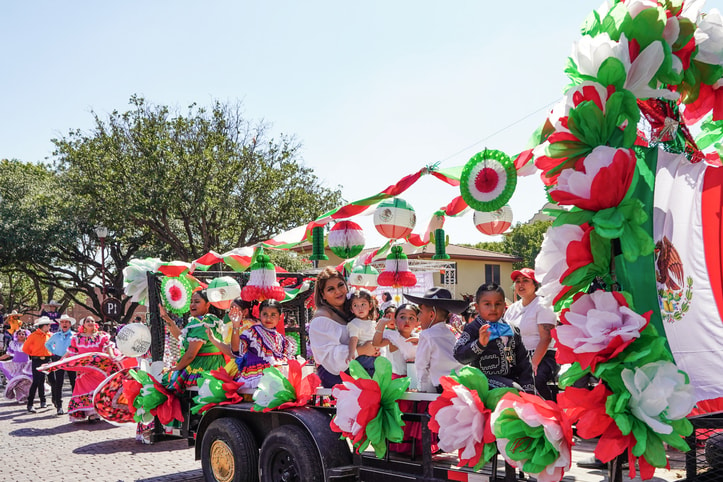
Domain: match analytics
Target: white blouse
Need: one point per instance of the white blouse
(329, 343)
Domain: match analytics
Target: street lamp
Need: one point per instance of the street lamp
(102, 233)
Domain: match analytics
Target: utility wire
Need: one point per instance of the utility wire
(544, 107)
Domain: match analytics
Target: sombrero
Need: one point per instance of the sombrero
(439, 298)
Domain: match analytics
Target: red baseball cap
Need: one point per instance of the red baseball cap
(526, 272)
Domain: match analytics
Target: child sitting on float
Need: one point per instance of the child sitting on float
(402, 342)
(361, 328)
(260, 346)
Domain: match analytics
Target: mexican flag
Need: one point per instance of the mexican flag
(687, 226)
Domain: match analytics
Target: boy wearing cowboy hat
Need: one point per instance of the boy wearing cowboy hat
(435, 350)
(57, 345)
(34, 347)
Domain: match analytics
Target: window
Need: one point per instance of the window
(448, 275)
(492, 273)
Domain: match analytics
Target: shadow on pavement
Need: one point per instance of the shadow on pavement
(131, 446)
(187, 476)
(65, 428)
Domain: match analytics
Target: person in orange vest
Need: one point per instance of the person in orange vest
(34, 347)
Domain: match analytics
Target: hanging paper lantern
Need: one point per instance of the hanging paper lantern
(396, 270)
(493, 222)
(346, 239)
(395, 218)
(364, 277)
(317, 244)
(176, 294)
(488, 180)
(262, 283)
(440, 245)
(222, 291)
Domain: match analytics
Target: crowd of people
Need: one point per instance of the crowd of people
(424, 337)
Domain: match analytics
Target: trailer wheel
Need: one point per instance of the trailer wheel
(229, 452)
(288, 455)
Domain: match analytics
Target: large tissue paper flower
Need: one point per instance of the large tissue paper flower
(367, 412)
(709, 38)
(277, 392)
(596, 328)
(602, 182)
(564, 250)
(591, 53)
(533, 435)
(462, 421)
(660, 393)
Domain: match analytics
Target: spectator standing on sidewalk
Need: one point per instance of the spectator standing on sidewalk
(34, 347)
(57, 345)
(51, 311)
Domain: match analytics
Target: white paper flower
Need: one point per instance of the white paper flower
(267, 388)
(709, 38)
(589, 53)
(659, 391)
(551, 262)
(135, 278)
(348, 408)
(636, 6)
(461, 424)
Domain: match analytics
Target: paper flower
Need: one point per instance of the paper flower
(135, 278)
(596, 328)
(367, 412)
(659, 394)
(462, 420)
(592, 56)
(533, 435)
(709, 38)
(216, 388)
(176, 294)
(275, 391)
(602, 182)
(566, 256)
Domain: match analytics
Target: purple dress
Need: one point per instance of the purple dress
(18, 372)
(259, 348)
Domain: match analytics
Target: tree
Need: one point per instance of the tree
(523, 240)
(165, 184)
(205, 180)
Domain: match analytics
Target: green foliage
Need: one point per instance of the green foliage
(206, 179)
(523, 240)
(288, 260)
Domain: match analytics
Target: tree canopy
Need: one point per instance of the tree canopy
(523, 240)
(165, 183)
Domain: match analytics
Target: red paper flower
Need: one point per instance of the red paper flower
(357, 403)
(602, 182)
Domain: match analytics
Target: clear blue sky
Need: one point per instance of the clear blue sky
(373, 90)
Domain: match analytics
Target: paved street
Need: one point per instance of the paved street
(48, 448)
(45, 447)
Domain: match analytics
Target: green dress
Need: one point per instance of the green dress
(208, 357)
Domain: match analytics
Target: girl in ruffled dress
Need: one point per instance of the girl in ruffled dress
(16, 368)
(259, 346)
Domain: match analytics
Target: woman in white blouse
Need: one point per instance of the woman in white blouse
(535, 322)
(328, 333)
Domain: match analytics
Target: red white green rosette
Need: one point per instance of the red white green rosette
(488, 180)
(367, 412)
(176, 294)
(461, 416)
(533, 435)
(277, 392)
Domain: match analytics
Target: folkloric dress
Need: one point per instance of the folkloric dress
(208, 357)
(17, 371)
(89, 376)
(259, 348)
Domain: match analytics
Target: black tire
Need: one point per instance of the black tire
(229, 452)
(288, 454)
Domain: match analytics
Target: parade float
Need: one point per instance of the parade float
(632, 264)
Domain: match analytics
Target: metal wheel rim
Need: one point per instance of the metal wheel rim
(223, 464)
(283, 467)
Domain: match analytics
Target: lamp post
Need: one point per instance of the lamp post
(102, 233)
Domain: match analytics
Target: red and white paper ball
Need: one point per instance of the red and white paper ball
(346, 239)
(262, 283)
(493, 222)
(396, 270)
(395, 218)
